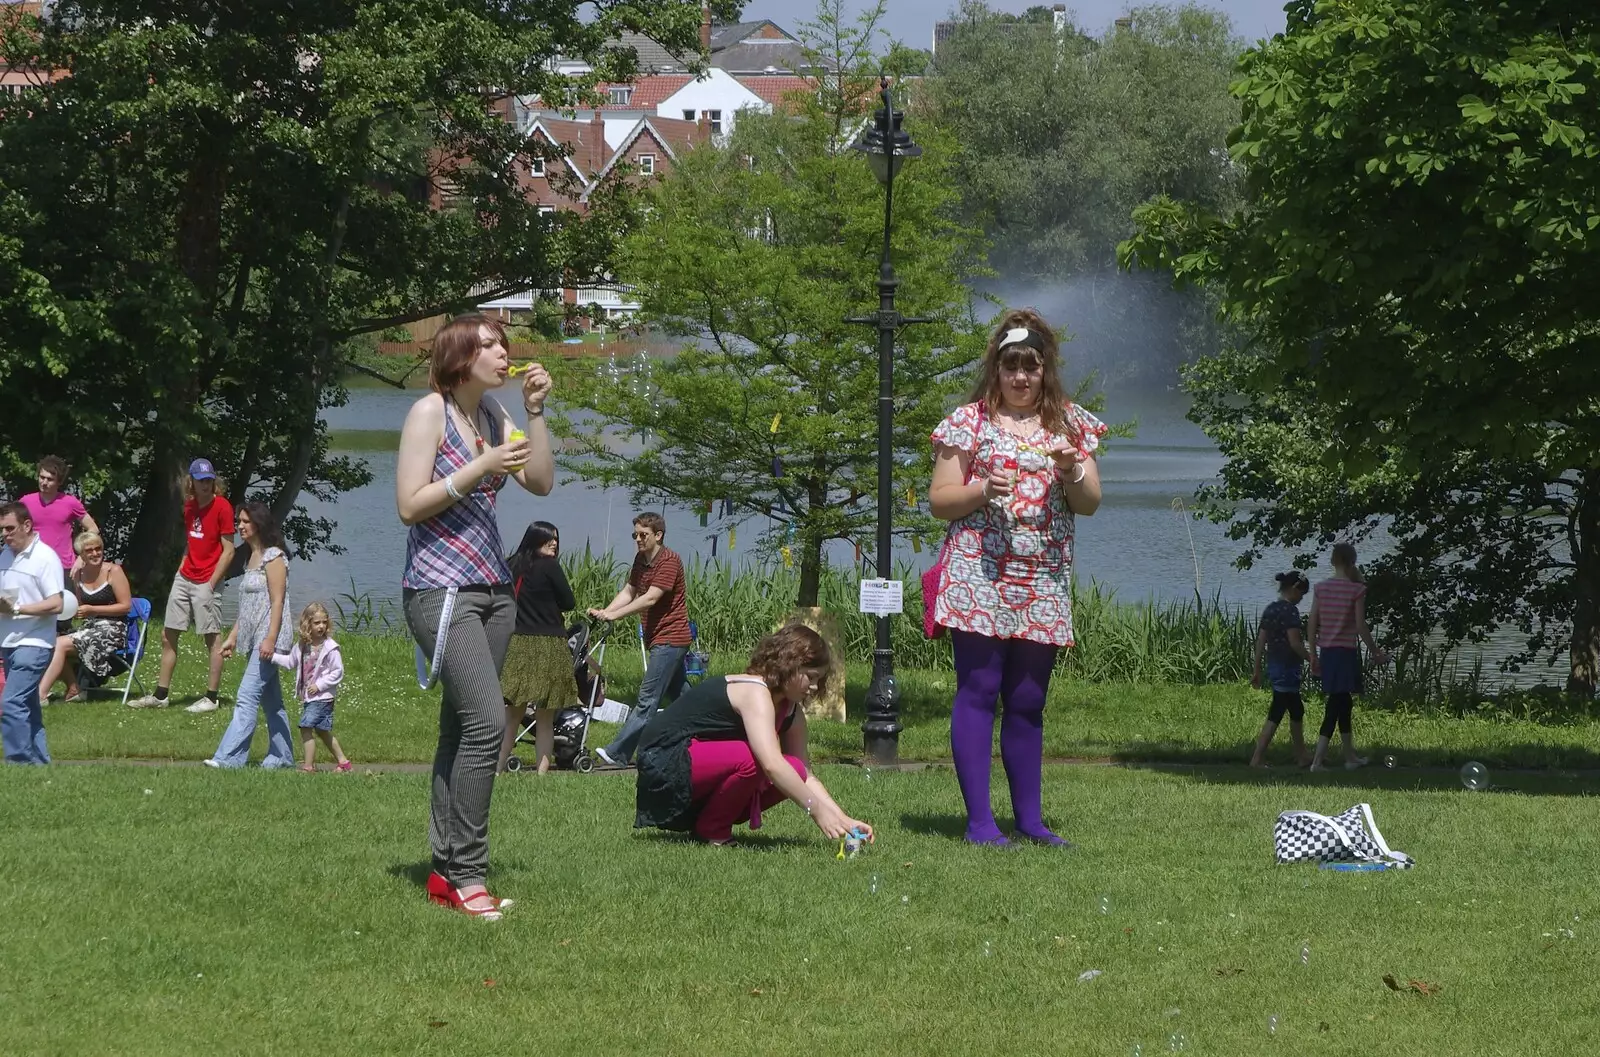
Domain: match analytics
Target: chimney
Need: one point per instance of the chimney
(599, 150)
(705, 28)
(1124, 23)
(1058, 19)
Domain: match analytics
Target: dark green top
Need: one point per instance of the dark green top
(665, 797)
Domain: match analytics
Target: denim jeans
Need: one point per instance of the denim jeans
(258, 690)
(21, 719)
(663, 681)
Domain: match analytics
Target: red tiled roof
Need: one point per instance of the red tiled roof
(680, 135)
(650, 91)
(773, 88)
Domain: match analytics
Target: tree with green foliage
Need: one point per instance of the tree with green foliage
(1414, 279)
(198, 216)
(1062, 134)
(756, 253)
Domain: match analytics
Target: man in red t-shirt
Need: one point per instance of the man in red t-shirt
(655, 588)
(57, 516)
(208, 521)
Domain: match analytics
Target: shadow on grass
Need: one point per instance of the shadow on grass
(415, 873)
(1427, 778)
(743, 839)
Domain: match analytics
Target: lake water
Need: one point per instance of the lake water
(1137, 544)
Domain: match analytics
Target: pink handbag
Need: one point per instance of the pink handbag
(930, 592)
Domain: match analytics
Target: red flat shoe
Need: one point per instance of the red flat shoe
(439, 890)
(488, 913)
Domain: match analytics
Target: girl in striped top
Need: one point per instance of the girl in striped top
(1338, 621)
(458, 448)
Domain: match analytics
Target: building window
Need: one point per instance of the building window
(647, 164)
(536, 167)
(716, 121)
(688, 115)
(545, 211)
(621, 95)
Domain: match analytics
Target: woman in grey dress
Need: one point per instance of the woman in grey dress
(260, 631)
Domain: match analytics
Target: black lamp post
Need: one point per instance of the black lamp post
(887, 149)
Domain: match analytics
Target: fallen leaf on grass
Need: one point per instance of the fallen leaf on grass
(564, 943)
(905, 866)
(1421, 987)
(1323, 1026)
(755, 990)
(437, 1023)
(1227, 971)
(489, 981)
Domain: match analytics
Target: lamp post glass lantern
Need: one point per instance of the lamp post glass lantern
(887, 149)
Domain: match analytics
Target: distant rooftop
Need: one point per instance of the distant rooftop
(740, 48)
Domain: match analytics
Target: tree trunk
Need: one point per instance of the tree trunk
(305, 445)
(811, 549)
(158, 531)
(1585, 671)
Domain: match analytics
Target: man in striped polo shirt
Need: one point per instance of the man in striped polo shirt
(655, 588)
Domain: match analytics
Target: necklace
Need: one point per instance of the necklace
(1018, 425)
(471, 424)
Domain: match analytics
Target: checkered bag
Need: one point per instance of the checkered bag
(1305, 836)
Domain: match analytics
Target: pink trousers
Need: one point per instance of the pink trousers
(728, 785)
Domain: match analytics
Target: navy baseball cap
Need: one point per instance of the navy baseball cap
(202, 470)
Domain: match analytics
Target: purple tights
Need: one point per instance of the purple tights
(1017, 673)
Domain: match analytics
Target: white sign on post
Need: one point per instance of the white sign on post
(882, 597)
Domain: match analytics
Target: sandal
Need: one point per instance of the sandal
(488, 913)
(441, 892)
(308, 770)
(345, 766)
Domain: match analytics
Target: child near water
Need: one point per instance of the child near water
(1338, 622)
(319, 669)
(1284, 646)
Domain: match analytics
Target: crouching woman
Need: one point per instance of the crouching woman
(735, 746)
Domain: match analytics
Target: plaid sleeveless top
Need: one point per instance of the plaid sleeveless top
(460, 545)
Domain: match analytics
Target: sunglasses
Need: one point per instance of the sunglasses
(641, 535)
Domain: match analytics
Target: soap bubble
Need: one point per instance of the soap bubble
(1389, 762)
(872, 888)
(1272, 1024)
(988, 949)
(1305, 952)
(1475, 776)
(905, 901)
(1105, 904)
(1177, 1043)
(1136, 1051)
(891, 688)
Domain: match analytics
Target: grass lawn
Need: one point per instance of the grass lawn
(383, 717)
(174, 910)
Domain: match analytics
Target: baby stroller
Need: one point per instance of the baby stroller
(587, 643)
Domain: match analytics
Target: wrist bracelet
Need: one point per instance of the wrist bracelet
(534, 412)
(1082, 473)
(450, 488)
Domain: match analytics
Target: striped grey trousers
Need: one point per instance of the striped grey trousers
(471, 720)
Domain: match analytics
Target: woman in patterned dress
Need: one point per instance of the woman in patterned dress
(104, 600)
(458, 448)
(1013, 467)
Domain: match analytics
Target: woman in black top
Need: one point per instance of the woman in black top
(736, 745)
(1281, 638)
(539, 669)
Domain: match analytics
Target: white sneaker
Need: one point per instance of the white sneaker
(148, 701)
(606, 759)
(212, 763)
(205, 704)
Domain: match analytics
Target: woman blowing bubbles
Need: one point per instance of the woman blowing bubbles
(457, 450)
(1012, 468)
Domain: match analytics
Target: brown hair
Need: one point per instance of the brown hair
(189, 482)
(1344, 557)
(56, 465)
(786, 652)
(18, 511)
(455, 347)
(1053, 400)
(652, 521)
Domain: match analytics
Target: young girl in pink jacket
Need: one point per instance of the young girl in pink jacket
(319, 669)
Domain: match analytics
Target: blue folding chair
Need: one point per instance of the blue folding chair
(132, 652)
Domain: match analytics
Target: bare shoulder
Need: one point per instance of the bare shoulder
(429, 410)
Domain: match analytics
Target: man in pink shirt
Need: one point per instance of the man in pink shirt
(57, 516)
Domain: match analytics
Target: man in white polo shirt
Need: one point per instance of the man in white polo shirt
(30, 598)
